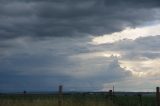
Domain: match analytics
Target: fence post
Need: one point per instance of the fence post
(113, 89)
(111, 94)
(140, 98)
(60, 93)
(24, 92)
(157, 96)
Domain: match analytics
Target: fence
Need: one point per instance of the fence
(157, 96)
(119, 98)
(62, 98)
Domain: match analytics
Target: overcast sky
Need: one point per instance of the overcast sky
(85, 45)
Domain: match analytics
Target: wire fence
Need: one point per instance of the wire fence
(100, 98)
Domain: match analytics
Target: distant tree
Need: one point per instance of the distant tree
(24, 92)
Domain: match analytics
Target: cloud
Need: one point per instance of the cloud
(142, 45)
(73, 17)
(92, 55)
(59, 63)
(77, 64)
(142, 68)
(47, 43)
(139, 56)
(128, 34)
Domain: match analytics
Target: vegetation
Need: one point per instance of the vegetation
(76, 100)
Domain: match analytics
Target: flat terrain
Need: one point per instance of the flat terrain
(76, 99)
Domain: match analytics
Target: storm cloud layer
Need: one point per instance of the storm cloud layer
(85, 45)
(44, 18)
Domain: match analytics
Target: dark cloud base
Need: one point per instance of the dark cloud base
(72, 17)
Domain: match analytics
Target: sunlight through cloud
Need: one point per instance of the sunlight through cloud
(141, 68)
(128, 33)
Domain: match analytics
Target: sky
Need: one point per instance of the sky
(84, 45)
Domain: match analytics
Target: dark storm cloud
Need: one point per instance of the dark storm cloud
(135, 3)
(42, 18)
(43, 65)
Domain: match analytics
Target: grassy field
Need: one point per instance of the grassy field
(76, 100)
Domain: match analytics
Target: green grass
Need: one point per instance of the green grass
(135, 101)
(75, 100)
